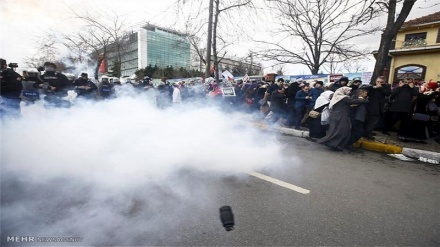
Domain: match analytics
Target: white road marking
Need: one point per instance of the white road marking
(279, 182)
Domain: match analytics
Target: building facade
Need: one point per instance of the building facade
(417, 50)
(154, 46)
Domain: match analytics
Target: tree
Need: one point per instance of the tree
(393, 25)
(239, 69)
(354, 66)
(280, 71)
(220, 32)
(115, 69)
(46, 51)
(319, 29)
(97, 44)
(218, 10)
(100, 36)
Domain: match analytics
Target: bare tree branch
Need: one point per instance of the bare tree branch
(318, 29)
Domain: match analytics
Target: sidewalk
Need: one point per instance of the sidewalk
(390, 144)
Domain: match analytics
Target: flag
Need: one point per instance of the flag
(245, 78)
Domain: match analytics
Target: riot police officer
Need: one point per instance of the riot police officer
(10, 90)
(55, 85)
(106, 88)
(84, 87)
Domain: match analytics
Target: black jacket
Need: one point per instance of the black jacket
(377, 99)
(54, 79)
(291, 92)
(278, 101)
(84, 82)
(11, 85)
(402, 99)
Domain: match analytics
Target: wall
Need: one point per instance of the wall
(430, 60)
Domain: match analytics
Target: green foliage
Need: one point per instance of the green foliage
(115, 69)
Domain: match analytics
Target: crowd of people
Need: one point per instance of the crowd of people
(336, 114)
(339, 114)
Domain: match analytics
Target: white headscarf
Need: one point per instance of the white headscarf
(339, 94)
(323, 99)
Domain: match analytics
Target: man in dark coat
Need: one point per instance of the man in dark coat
(342, 82)
(375, 109)
(301, 101)
(291, 94)
(401, 107)
(278, 104)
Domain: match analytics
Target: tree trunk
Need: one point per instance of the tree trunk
(390, 32)
(209, 40)
(214, 40)
(97, 68)
(382, 56)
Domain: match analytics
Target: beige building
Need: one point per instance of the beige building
(417, 50)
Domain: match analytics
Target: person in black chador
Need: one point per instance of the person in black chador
(84, 87)
(55, 85)
(339, 131)
(358, 113)
(10, 90)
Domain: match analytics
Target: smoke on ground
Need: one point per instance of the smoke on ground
(106, 169)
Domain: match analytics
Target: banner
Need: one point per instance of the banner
(228, 91)
(334, 77)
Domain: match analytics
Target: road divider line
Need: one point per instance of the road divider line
(279, 182)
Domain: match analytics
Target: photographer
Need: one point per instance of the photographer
(10, 89)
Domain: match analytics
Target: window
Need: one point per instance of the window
(415, 39)
(438, 36)
(415, 36)
(415, 71)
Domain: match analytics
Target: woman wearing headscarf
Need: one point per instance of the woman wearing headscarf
(316, 128)
(340, 126)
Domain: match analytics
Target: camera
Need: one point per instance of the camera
(12, 65)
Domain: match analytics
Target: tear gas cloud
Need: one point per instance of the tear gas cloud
(106, 169)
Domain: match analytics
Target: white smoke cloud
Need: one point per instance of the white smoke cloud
(112, 168)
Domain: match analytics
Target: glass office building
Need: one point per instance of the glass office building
(152, 45)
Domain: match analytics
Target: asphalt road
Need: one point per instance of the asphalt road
(351, 199)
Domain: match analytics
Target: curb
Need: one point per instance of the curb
(421, 155)
(377, 146)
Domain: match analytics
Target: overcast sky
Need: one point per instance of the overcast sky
(23, 21)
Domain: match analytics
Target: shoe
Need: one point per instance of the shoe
(421, 142)
(386, 133)
(369, 137)
(335, 149)
(373, 134)
(353, 149)
(310, 139)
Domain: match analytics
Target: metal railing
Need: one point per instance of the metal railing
(414, 43)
